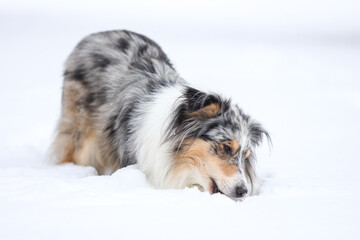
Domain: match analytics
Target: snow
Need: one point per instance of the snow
(294, 67)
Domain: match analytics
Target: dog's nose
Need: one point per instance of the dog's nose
(240, 191)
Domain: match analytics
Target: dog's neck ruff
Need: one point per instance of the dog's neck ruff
(153, 152)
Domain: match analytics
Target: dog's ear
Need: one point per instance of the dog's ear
(209, 111)
(201, 105)
(256, 134)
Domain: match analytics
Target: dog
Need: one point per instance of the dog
(123, 103)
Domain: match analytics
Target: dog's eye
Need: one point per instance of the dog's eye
(227, 149)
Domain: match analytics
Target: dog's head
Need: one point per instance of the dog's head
(214, 145)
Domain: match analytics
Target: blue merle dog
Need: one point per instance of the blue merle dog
(123, 103)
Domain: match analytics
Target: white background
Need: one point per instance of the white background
(292, 65)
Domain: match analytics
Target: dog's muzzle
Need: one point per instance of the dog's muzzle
(240, 191)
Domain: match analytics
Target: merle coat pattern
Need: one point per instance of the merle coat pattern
(123, 103)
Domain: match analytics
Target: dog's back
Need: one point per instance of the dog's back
(104, 75)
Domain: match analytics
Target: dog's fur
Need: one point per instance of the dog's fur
(123, 103)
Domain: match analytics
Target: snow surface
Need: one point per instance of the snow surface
(293, 65)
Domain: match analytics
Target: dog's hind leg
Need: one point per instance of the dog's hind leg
(77, 138)
(72, 124)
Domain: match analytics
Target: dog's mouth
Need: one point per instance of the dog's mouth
(215, 188)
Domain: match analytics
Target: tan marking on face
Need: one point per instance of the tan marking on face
(247, 154)
(223, 151)
(193, 151)
(206, 112)
(197, 153)
(228, 169)
(234, 144)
